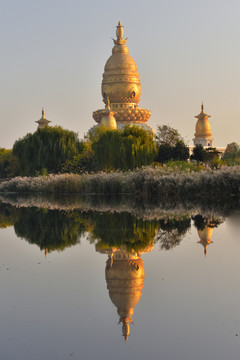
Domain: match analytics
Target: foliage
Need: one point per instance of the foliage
(231, 155)
(46, 149)
(7, 216)
(49, 229)
(165, 153)
(172, 232)
(211, 154)
(199, 153)
(85, 161)
(200, 222)
(8, 164)
(124, 149)
(183, 166)
(115, 230)
(166, 135)
(180, 151)
(206, 155)
(170, 145)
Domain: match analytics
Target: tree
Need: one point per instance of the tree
(82, 162)
(199, 153)
(180, 151)
(211, 154)
(124, 149)
(46, 150)
(165, 153)
(167, 135)
(8, 164)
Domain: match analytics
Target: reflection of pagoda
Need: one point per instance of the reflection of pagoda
(125, 276)
(205, 237)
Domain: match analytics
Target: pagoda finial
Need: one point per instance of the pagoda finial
(43, 113)
(119, 33)
(202, 106)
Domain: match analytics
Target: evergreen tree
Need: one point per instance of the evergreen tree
(180, 151)
(199, 153)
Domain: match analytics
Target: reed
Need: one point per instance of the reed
(158, 182)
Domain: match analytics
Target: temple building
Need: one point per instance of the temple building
(203, 135)
(43, 121)
(121, 89)
(124, 274)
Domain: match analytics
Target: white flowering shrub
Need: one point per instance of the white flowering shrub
(158, 182)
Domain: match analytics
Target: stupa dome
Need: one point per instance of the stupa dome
(203, 135)
(203, 128)
(121, 85)
(120, 78)
(108, 120)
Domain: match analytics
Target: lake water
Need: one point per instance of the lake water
(82, 283)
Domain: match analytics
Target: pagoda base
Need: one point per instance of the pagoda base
(125, 114)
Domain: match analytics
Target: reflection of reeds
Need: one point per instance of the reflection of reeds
(157, 182)
(144, 208)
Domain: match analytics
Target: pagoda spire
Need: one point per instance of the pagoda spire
(43, 121)
(119, 34)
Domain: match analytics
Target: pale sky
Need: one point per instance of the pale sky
(53, 55)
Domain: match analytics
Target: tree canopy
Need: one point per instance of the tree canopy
(124, 149)
(166, 135)
(47, 148)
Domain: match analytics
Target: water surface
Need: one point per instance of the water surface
(86, 284)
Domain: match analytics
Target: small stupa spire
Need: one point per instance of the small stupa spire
(119, 34)
(43, 121)
(202, 107)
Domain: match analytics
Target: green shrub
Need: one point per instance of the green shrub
(8, 164)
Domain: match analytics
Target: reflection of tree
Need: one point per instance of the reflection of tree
(111, 229)
(172, 232)
(49, 229)
(7, 215)
(55, 229)
(200, 222)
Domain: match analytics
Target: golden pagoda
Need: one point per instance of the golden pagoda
(203, 135)
(205, 237)
(124, 274)
(43, 121)
(121, 87)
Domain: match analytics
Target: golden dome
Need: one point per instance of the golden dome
(121, 85)
(108, 120)
(120, 78)
(203, 128)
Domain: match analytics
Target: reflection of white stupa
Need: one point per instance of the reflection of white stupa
(124, 276)
(205, 237)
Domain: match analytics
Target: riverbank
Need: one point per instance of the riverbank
(157, 183)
